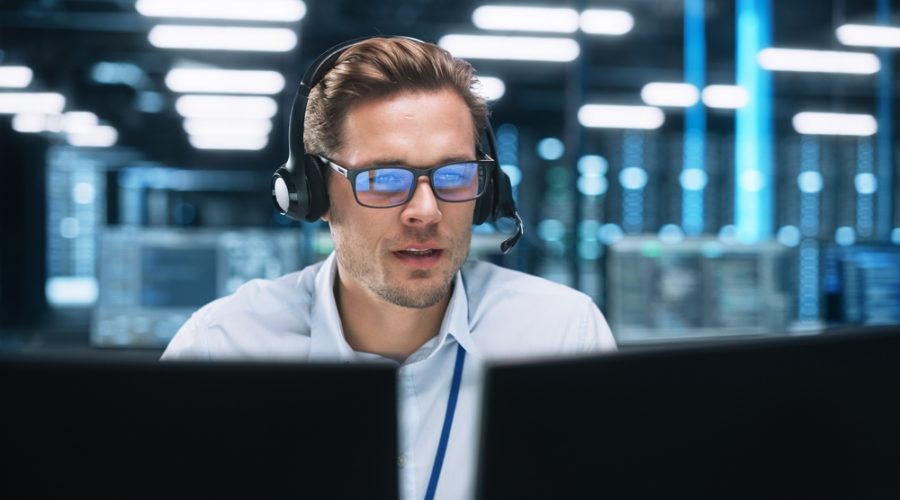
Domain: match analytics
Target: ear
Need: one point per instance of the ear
(327, 216)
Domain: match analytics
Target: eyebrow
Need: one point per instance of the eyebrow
(386, 162)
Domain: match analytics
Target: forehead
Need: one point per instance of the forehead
(411, 128)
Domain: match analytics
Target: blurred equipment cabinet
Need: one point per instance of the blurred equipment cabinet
(698, 287)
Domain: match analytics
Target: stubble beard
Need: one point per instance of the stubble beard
(398, 290)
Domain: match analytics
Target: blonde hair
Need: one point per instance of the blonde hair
(383, 67)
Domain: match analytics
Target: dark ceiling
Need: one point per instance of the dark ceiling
(64, 40)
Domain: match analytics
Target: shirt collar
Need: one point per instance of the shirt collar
(327, 341)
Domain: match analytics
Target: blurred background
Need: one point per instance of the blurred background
(705, 170)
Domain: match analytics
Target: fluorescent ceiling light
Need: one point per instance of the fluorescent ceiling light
(268, 10)
(229, 142)
(863, 35)
(725, 96)
(515, 18)
(515, 48)
(213, 106)
(76, 122)
(29, 123)
(219, 127)
(835, 124)
(818, 61)
(680, 95)
(223, 81)
(101, 136)
(491, 88)
(31, 102)
(606, 22)
(223, 38)
(613, 116)
(15, 77)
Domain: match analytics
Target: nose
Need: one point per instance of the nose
(422, 209)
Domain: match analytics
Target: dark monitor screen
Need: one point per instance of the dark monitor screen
(811, 417)
(101, 429)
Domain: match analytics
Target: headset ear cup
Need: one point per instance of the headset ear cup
(318, 191)
(504, 203)
(484, 206)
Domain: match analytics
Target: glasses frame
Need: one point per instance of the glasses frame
(486, 162)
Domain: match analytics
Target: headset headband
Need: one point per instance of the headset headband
(298, 186)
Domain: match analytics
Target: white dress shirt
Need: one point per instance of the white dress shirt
(494, 313)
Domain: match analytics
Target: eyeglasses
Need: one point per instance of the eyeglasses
(392, 186)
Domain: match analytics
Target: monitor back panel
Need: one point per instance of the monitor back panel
(197, 430)
(790, 418)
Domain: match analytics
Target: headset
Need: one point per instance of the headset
(299, 190)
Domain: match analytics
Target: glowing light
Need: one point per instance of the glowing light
(752, 180)
(592, 185)
(616, 116)
(490, 88)
(835, 124)
(818, 61)
(671, 234)
(789, 236)
(610, 233)
(606, 22)
(865, 183)
(551, 229)
(725, 96)
(595, 165)
(514, 173)
(31, 102)
(865, 35)
(693, 179)
(84, 193)
(15, 77)
(223, 38)
(681, 95)
(810, 182)
(268, 10)
(845, 236)
(551, 148)
(515, 48)
(224, 81)
(516, 18)
(216, 106)
(229, 142)
(101, 136)
(633, 178)
(227, 127)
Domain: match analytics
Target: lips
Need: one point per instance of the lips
(419, 256)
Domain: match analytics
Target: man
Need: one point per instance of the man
(397, 285)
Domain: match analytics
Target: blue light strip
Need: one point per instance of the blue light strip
(694, 149)
(753, 125)
(808, 305)
(884, 195)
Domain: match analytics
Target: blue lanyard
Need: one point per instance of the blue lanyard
(448, 423)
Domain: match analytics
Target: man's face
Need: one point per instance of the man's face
(406, 255)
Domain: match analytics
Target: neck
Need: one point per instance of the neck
(374, 325)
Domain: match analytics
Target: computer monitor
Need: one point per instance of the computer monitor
(110, 429)
(812, 417)
(152, 279)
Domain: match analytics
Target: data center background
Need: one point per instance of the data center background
(715, 210)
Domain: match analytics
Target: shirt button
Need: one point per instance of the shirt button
(401, 460)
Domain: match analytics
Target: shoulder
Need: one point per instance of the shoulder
(259, 315)
(488, 284)
(514, 314)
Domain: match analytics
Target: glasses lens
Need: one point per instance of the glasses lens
(383, 187)
(459, 181)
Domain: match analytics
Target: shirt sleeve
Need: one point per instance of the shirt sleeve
(595, 333)
(189, 343)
